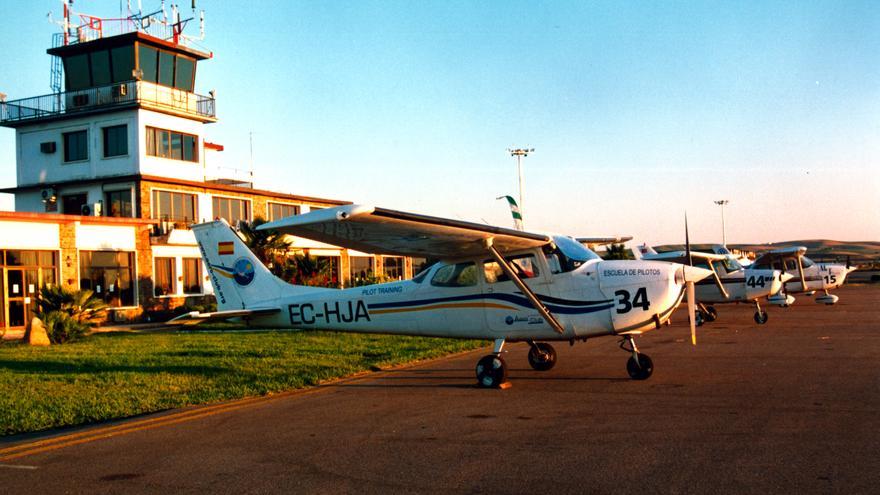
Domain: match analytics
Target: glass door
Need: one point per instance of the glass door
(15, 298)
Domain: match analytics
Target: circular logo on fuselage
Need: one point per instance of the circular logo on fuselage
(243, 271)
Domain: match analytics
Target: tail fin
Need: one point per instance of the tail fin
(240, 280)
(641, 250)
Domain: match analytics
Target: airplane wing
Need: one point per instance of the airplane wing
(194, 317)
(682, 255)
(601, 241)
(793, 251)
(379, 230)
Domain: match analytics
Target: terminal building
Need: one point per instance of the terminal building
(114, 165)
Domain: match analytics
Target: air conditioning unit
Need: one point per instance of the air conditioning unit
(93, 209)
(48, 195)
(119, 90)
(80, 100)
(48, 147)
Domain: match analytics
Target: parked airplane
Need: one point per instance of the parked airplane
(810, 276)
(740, 258)
(492, 283)
(729, 283)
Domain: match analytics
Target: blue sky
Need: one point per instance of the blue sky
(638, 111)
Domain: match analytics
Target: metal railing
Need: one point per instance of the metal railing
(147, 94)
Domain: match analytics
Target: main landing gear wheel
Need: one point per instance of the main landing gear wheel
(542, 356)
(711, 314)
(640, 370)
(491, 371)
(699, 318)
(761, 317)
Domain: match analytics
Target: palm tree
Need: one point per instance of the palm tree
(617, 252)
(267, 245)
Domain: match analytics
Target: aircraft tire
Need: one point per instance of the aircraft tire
(542, 356)
(711, 314)
(761, 317)
(491, 371)
(641, 370)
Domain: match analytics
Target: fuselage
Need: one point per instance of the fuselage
(474, 299)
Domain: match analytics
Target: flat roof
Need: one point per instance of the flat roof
(181, 182)
(28, 216)
(126, 39)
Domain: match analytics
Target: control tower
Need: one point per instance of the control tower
(124, 107)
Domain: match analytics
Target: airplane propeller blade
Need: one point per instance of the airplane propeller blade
(848, 265)
(691, 291)
(692, 311)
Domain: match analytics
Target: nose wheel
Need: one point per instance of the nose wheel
(542, 356)
(761, 316)
(639, 366)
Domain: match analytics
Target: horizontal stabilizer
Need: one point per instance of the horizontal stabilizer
(194, 317)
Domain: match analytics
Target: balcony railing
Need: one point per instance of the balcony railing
(143, 93)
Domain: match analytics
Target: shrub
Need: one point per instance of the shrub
(68, 314)
(61, 327)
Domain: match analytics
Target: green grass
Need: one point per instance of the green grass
(109, 376)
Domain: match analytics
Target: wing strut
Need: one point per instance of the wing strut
(718, 280)
(554, 323)
(801, 272)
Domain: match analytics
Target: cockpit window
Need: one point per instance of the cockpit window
(807, 262)
(524, 265)
(458, 275)
(568, 255)
(790, 264)
(731, 265)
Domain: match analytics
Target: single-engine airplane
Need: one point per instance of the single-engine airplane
(729, 283)
(491, 283)
(809, 275)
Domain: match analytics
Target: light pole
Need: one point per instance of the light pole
(519, 153)
(721, 203)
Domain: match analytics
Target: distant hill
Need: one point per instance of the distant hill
(817, 249)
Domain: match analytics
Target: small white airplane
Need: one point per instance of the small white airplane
(491, 283)
(810, 276)
(729, 283)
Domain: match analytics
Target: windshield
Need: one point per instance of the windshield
(574, 250)
(731, 265)
(807, 262)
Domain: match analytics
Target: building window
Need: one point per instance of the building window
(123, 62)
(361, 268)
(192, 276)
(166, 68)
(174, 206)
(171, 144)
(76, 146)
(232, 210)
(163, 277)
(110, 275)
(115, 140)
(118, 204)
(277, 211)
(393, 267)
(72, 204)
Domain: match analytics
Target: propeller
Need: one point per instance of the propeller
(848, 265)
(691, 292)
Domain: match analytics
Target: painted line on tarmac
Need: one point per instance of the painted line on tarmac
(63, 441)
(18, 466)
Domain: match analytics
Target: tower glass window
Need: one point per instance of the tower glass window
(166, 69)
(118, 203)
(122, 58)
(115, 140)
(148, 62)
(76, 146)
(76, 68)
(100, 64)
(172, 144)
(174, 206)
(277, 211)
(232, 210)
(183, 78)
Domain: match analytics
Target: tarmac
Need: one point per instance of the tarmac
(786, 407)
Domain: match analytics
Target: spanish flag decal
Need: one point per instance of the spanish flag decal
(226, 247)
